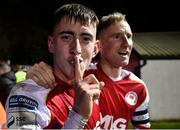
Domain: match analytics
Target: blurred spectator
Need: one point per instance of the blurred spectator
(20, 74)
(7, 80)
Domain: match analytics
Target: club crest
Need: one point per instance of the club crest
(131, 98)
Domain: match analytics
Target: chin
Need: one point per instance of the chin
(70, 76)
(125, 63)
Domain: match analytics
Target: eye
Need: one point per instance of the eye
(86, 39)
(129, 36)
(117, 37)
(66, 37)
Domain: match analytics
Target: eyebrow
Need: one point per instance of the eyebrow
(72, 33)
(66, 32)
(126, 33)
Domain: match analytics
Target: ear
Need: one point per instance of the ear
(100, 46)
(51, 44)
(96, 48)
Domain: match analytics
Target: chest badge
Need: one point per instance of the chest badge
(131, 98)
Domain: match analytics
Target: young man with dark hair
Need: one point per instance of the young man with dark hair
(72, 41)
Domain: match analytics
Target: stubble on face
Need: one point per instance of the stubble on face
(116, 42)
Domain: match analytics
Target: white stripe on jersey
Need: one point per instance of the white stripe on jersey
(141, 117)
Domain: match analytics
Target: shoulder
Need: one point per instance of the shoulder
(134, 78)
(27, 99)
(29, 90)
(25, 87)
(139, 85)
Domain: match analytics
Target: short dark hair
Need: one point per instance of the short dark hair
(78, 12)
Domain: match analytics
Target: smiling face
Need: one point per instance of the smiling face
(69, 39)
(116, 44)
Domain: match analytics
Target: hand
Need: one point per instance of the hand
(86, 91)
(42, 74)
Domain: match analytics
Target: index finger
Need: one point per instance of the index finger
(78, 73)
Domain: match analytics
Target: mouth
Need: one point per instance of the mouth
(123, 53)
(72, 61)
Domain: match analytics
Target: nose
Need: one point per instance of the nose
(126, 40)
(76, 47)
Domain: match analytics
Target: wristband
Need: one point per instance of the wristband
(74, 121)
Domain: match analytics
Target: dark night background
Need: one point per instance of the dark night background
(23, 31)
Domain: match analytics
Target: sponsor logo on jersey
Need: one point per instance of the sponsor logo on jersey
(109, 122)
(18, 119)
(131, 98)
(21, 101)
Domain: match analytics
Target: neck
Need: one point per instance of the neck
(63, 78)
(110, 70)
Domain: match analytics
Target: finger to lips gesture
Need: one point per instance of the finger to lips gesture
(86, 90)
